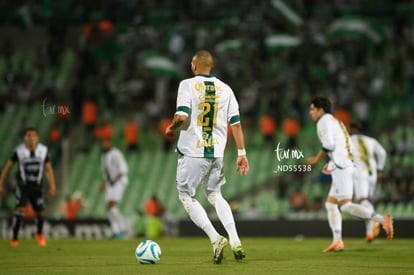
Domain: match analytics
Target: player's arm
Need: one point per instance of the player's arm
(117, 178)
(325, 135)
(233, 118)
(5, 173)
(102, 185)
(326, 138)
(50, 178)
(242, 161)
(183, 109)
(121, 166)
(315, 159)
(178, 120)
(381, 156)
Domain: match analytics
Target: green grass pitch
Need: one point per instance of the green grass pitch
(194, 256)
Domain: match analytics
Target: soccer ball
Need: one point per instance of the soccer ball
(148, 252)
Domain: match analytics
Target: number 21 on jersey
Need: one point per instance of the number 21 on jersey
(208, 113)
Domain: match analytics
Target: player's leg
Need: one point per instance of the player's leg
(372, 180)
(38, 204)
(212, 189)
(334, 218)
(343, 180)
(114, 217)
(335, 222)
(18, 214)
(369, 224)
(362, 212)
(39, 220)
(198, 215)
(225, 216)
(113, 195)
(361, 193)
(190, 173)
(341, 187)
(344, 195)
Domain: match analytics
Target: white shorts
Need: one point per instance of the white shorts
(342, 183)
(364, 184)
(116, 191)
(192, 172)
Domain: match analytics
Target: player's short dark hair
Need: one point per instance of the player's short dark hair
(322, 102)
(30, 129)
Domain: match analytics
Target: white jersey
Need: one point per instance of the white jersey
(369, 155)
(114, 163)
(335, 140)
(210, 105)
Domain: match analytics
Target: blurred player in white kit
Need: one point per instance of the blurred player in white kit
(369, 159)
(115, 181)
(336, 143)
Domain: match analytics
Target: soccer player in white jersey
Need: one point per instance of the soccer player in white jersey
(205, 106)
(336, 143)
(115, 181)
(33, 159)
(369, 159)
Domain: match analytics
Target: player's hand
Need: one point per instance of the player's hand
(325, 170)
(379, 175)
(101, 186)
(1, 188)
(169, 132)
(52, 192)
(242, 165)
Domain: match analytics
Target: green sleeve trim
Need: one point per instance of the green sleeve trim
(178, 151)
(234, 120)
(184, 109)
(325, 150)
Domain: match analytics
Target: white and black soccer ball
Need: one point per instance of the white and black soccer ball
(148, 252)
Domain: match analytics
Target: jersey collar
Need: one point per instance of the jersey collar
(324, 114)
(205, 75)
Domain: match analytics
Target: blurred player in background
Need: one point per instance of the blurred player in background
(72, 206)
(33, 159)
(337, 144)
(115, 181)
(154, 210)
(205, 105)
(369, 159)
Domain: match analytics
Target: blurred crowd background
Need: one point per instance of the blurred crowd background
(112, 67)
